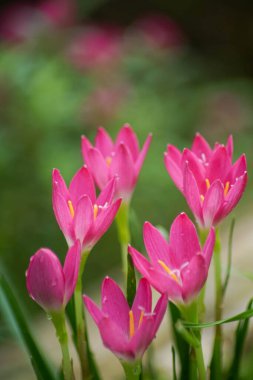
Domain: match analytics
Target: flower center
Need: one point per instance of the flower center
(108, 161)
(71, 209)
(169, 271)
(226, 188)
(95, 210)
(131, 322)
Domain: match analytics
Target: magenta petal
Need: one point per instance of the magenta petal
(128, 137)
(142, 337)
(63, 216)
(196, 168)
(172, 160)
(219, 165)
(234, 195)
(107, 194)
(183, 239)
(98, 167)
(142, 300)
(82, 184)
(71, 269)
(192, 194)
(237, 169)
(104, 143)
(83, 218)
(115, 339)
(157, 247)
(85, 146)
(213, 202)
(194, 277)
(142, 155)
(201, 148)
(209, 247)
(123, 166)
(159, 312)
(103, 221)
(158, 279)
(59, 184)
(93, 309)
(45, 280)
(114, 304)
(230, 147)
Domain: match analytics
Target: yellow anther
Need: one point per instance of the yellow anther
(95, 210)
(202, 198)
(131, 323)
(71, 209)
(168, 270)
(226, 188)
(141, 318)
(108, 160)
(207, 183)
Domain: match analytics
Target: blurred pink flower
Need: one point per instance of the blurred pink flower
(159, 31)
(79, 213)
(210, 182)
(127, 332)
(123, 159)
(180, 267)
(50, 285)
(96, 46)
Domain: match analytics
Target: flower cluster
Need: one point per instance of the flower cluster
(178, 267)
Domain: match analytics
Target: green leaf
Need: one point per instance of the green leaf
(182, 346)
(228, 271)
(15, 317)
(238, 317)
(174, 363)
(240, 336)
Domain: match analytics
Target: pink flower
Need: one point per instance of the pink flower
(127, 332)
(210, 182)
(178, 268)
(50, 285)
(79, 213)
(123, 159)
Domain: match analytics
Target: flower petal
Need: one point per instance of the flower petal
(71, 269)
(93, 309)
(234, 195)
(59, 184)
(157, 247)
(82, 184)
(98, 167)
(45, 280)
(201, 148)
(128, 137)
(209, 247)
(114, 304)
(123, 166)
(194, 277)
(142, 301)
(104, 143)
(83, 218)
(159, 312)
(213, 202)
(183, 239)
(142, 337)
(142, 155)
(230, 147)
(219, 165)
(85, 147)
(197, 169)
(237, 169)
(172, 160)
(192, 194)
(63, 217)
(107, 194)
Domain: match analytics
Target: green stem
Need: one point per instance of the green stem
(58, 319)
(122, 221)
(216, 362)
(82, 348)
(132, 370)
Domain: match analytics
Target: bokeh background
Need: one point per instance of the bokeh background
(69, 66)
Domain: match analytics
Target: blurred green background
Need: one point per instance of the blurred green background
(66, 67)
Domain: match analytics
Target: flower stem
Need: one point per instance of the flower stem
(216, 362)
(58, 319)
(132, 370)
(122, 220)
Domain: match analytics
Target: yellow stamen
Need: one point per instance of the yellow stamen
(131, 323)
(207, 183)
(108, 160)
(202, 198)
(71, 209)
(168, 270)
(141, 318)
(226, 188)
(95, 210)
